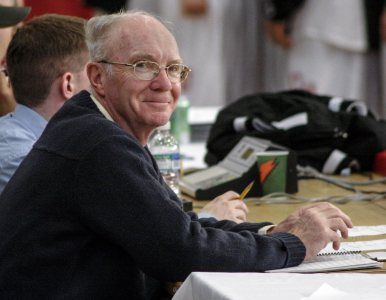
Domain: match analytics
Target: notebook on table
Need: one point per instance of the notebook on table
(333, 261)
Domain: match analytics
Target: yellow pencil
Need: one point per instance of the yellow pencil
(246, 190)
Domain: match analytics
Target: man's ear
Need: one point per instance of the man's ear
(67, 87)
(96, 76)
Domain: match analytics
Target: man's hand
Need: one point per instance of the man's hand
(278, 32)
(227, 206)
(316, 225)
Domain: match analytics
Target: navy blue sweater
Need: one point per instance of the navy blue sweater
(88, 216)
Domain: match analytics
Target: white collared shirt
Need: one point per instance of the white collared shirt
(19, 130)
(101, 108)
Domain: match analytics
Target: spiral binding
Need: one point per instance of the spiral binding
(345, 252)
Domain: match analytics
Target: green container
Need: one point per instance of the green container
(180, 127)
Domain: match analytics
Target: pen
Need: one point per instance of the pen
(246, 190)
(182, 171)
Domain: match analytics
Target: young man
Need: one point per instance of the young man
(46, 62)
(88, 215)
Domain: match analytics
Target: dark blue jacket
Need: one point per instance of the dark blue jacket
(88, 216)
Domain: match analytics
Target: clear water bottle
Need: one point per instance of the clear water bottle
(166, 151)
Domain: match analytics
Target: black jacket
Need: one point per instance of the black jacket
(87, 215)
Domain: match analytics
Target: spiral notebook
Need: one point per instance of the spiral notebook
(333, 261)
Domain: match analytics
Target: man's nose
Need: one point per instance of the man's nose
(162, 81)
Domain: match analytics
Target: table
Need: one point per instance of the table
(361, 213)
(286, 286)
(252, 286)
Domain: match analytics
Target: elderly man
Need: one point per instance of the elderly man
(88, 216)
(33, 47)
(10, 16)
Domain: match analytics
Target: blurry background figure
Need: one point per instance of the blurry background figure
(9, 20)
(218, 39)
(382, 109)
(80, 8)
(62, 7)
(333, 47)
(106, 6)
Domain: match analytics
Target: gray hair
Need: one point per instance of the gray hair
(98, 32)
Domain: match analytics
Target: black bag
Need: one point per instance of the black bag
(327, 133)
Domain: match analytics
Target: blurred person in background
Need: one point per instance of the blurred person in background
(333, 46)
(61, 7)
(11, 14)
(106, 6)
(80, 8)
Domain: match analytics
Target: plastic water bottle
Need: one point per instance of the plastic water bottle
(165, 150)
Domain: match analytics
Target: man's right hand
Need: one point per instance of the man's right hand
(316, 225)
(227, 206)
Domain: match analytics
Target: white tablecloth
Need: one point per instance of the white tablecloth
(253, 286)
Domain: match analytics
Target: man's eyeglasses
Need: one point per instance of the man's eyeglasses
(148, 70)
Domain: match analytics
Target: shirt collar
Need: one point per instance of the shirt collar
(34, 121)
(101, 108)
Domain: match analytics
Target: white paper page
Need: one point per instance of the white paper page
(367, 230)
(378, 255)
(331, 263)
(358, 246)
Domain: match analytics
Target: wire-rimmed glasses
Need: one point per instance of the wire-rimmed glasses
(148, 70)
